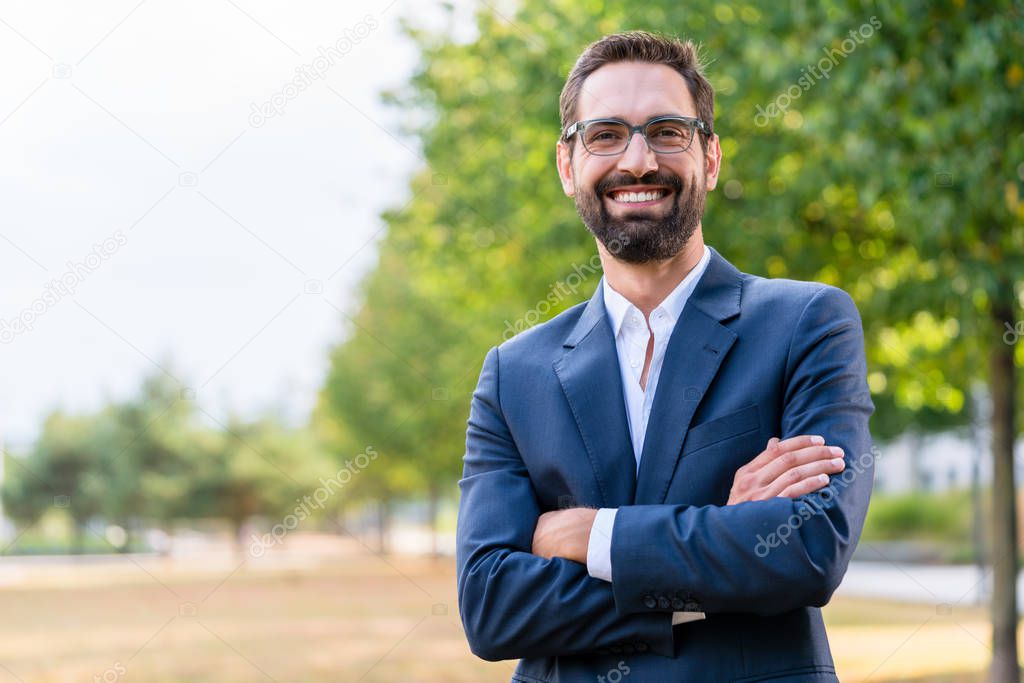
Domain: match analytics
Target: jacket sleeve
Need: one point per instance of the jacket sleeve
(772, 556)
(515, 604)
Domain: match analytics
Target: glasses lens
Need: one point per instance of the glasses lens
(670, 136)
(605, 137)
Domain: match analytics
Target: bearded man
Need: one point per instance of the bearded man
(667, 481)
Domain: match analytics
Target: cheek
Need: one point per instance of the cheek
(590, 172)
(692, 173)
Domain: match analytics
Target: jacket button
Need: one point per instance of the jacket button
(678, 604)
(650, 602)
(692, 606)
(663, 602)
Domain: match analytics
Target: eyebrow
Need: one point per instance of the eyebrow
(654, 116)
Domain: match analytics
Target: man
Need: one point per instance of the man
(618, 515)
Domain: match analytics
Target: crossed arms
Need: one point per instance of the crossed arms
(524, 588)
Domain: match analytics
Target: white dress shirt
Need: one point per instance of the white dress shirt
(631, 332)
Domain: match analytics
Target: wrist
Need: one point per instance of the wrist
(584, 528)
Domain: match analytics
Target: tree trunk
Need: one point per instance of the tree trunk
(432, 507)
(383, 525)
(918, 475)
(1003, 384)
(77, 537)
(980, 416)
(238, 528)
(129, 535)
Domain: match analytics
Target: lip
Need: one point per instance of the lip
(638, 188)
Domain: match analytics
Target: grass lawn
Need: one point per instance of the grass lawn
(358, 618)
(884, 641)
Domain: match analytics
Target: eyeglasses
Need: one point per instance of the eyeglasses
(663, 134)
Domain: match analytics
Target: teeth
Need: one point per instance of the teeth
(638, 196)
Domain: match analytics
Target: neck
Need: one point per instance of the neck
(645, 285)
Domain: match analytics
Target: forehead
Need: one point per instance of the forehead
(634, 91)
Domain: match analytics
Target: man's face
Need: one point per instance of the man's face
(646, 231)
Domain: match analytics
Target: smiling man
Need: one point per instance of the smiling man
(621, 515)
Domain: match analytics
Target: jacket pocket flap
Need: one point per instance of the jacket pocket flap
(721, 428)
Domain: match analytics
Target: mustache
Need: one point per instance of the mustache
(606, 185)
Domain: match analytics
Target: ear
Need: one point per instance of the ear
(712, 163)
(564, 164)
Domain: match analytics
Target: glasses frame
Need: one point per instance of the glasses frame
(580, 126)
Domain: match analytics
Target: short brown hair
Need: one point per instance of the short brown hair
(641, 46)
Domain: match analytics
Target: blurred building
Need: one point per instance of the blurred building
(936, 462)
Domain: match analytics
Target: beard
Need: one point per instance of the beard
(646, 234)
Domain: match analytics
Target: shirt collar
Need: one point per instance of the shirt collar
(618, 306)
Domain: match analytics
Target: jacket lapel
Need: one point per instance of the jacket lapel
(696, 349)
(588, 370)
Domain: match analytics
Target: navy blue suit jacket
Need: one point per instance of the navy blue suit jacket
(749, 358)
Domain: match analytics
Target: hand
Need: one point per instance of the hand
(564, 533)
(787, 469)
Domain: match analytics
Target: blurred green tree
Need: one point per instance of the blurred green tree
(145, 464)
(252, 469)
(58, 473)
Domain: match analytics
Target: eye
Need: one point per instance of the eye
(668, 130)
(604, 133)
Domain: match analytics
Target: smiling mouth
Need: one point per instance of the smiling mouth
(632, 198)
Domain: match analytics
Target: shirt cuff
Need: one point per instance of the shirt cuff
(599, 548)
(683, 617)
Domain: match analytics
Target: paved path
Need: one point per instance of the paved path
(938, 584)
(881, 578)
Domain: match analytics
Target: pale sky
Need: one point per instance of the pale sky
(232, 244)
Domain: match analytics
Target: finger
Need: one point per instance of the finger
(773, 451)
(802, 473)
(788, 461)
(794, 443)
(765, 456)
(802, 488)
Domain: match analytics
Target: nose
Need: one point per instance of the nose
(638, 159)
